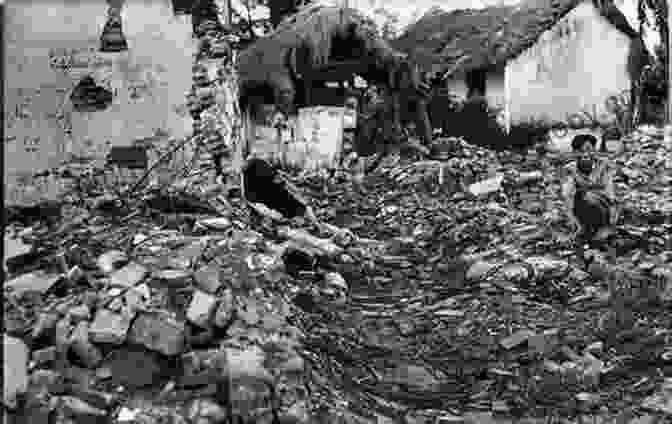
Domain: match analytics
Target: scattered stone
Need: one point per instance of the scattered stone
(664, 276)
(48, 380)
(75, 274)
(216, 223)
(485, 187)
(500, 407)
(450, 419)
(595, 348)
(294, 364)
(545, 342)
(44, 356)
(516, 339)
(174, 277)
(590, 370)
(250, 312)
(191, 253)
(15, 375)
(588, 399)
(108, 262)
(46, 323)
(81, 411)
(62, 338)
(137, 298)
(336, 280)
(478, 270)
(103, 373)
(412, 375)
(116, 305)
(298, 413)
(134, 367)
(14, 247)
(225, 309)
(97, 399)
(247, 363)
(205, 411)
(450, 313)
(128, 276)
(158, 333)
(201, 308)
(127, 415)
(110, 327)
(38, 281)
(250, 398)
(208, 278)
(80, 313)
(87, 353)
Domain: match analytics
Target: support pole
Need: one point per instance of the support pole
(669, 62)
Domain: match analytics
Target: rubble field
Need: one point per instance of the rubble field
(413, 304)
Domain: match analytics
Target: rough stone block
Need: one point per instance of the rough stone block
(109, 327)
(201, 308)
(158, 333)
(15, 370)
(128, 276)
(207, 279)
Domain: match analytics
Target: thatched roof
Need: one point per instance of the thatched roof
(463, 40)
(311, 38)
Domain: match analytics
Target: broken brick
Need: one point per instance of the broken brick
(44, 356)
(15, 370)
(108, 262)
(158, 333)
(80, 313)
(173, 277)
(516, 339)
(80, 410)
(207, 279)
(225, 309)
(38, 281)
(81, 345)
(128, 276)
(109, 327)
(201, 308)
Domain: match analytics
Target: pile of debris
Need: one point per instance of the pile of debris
(428, 305)
(415, 300)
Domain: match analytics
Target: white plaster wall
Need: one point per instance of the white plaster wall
(160, 54)
(494, 89)
(576, 65)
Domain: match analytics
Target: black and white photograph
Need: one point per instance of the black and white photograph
(337, 211)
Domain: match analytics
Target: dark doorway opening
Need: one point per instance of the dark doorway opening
(476, 83)
(182, 7)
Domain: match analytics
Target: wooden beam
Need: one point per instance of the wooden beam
(507, 100)
(669, 62)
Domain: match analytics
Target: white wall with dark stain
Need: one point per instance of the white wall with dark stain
(157, 67)
(576, 65)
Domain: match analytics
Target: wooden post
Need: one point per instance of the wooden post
(507, 100)
(669, 62)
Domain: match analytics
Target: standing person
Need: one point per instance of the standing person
(589, 191)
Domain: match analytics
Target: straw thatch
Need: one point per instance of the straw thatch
(463, 40)
(314, 37)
